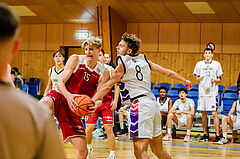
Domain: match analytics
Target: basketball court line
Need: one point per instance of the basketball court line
(222, 147)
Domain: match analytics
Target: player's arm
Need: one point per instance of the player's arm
(230, 114)
(68, 70)
(103, 90)
(191, 112)
(116, 93)
(49, 85)
(170, 74)
(104, 78)
(173, 110)
(218, 80)
(199, 79)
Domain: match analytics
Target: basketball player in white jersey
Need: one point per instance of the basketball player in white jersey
(27, 130)
(135, 71)
(233, 121)
(165, 104)
(183, 116)
(55, 72)
(209, 73)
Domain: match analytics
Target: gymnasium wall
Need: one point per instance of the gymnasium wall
(178, 46)
(172, 45)
(39, 41)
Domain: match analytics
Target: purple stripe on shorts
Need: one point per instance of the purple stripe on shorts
(134, 120)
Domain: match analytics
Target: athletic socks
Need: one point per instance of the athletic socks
(121, 126)
(169, 131)
(112, 153)
(188, 132)
(225, 135)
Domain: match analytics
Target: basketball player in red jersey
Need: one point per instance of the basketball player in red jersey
(106, 109)
(82, 75)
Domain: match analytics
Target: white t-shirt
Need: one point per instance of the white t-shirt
(210, 71)
(137, 75)
(184, 106)
(238, 109)
(163, 106)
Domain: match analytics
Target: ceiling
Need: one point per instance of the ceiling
(132, 11)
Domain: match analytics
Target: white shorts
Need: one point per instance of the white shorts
(182, 120)
(145, 118)
(208, 103)
(236, 125)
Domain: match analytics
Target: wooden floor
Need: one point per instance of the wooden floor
(176, 148)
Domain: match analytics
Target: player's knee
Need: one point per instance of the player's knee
(47, 101)
(189, 117)
(89, 128)
(170, 115)
(108, 129)
(81, 153)
(224, 118)
(214, 114)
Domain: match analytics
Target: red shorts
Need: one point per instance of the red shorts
(70, 123)
(107, 114)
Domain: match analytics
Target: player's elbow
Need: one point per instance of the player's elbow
(107, 87)
(169, 73)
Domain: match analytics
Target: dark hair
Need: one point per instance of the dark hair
(183, 89)
(208, 49)
(15, 69)
(132, 41)
(13, 73)
(60, 51)
(9, 22)
(163, 87)
(102, 51)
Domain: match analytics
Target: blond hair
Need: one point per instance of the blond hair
(92, 41)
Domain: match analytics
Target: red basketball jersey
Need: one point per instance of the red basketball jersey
(84, 80)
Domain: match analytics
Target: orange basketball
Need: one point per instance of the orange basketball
(84, 102)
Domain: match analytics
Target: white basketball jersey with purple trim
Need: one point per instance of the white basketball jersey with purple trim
(137, 75)
(209, 71)
(124, 94)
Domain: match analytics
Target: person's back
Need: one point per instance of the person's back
(27, 130)
(137, 83)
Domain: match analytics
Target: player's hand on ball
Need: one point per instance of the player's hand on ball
(71, 101)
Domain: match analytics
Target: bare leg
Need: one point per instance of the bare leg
(110, 136)
(89, 130)
(80, 146)
(48, 102)
(189, 122)
(157, 148)
(140, 148)
(204, 121)
(225, 121)
(216, 121)
(171, 117)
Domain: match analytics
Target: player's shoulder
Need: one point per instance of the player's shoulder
(77, 57)
(190, 100)
(216, 62)
(30, 104)
(202, 62)
(99, 68)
